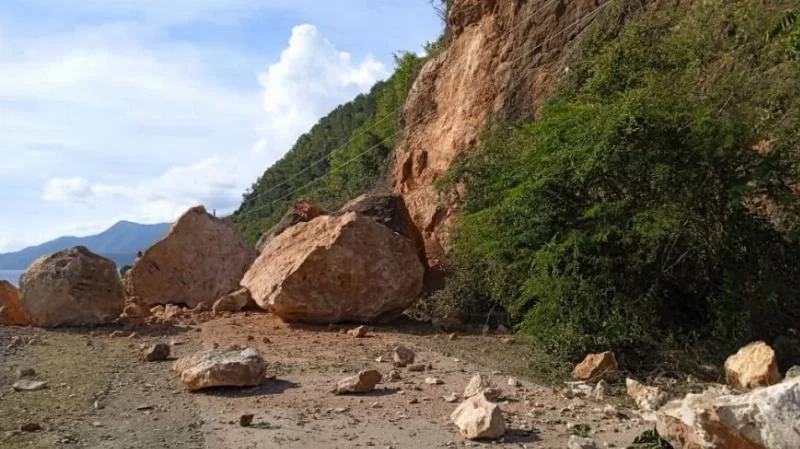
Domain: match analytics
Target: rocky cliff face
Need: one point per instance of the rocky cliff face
(503, 59)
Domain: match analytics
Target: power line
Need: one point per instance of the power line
(364, 132)
(350, 160)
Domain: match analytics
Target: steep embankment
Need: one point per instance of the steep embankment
(503, 60)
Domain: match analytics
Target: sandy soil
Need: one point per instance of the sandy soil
(102, 395)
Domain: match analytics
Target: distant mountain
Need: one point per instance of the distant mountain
(119, 243)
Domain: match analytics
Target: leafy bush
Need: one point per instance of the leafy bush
(653, 201)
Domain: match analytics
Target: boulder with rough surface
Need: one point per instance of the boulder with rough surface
(647, 398)
(134, 310)
(576, 442)
(595, 366)
(403, 356)
(74, 287)
(221, 368)
(232, 302)
(157, 352)
(752, 366)
(363, 382)
(334, 269)
(478, 418)
(765, 418)
(477, 384)
(301, 212)
(390, 211)
(201, 259)
(11, 313)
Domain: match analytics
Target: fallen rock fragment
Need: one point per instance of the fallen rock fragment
(477, 384)
(200, 259)
(363, 382)
(221, 368)
(576, 442)
(232, 302)
(646, 397)
(362, 272)
(29, 385)
(26, 372)
(793, 372)
(359, 332)
(403, 356)
(599, 392)
(433, 381)
(393, 376)
(135, 310)
(595, 366)
(450, 398)
(246, 419)
(418, 368)
(477, 418)
(157, 352)
(752, 366)
(31, 427)
(74, 287)
(765, 418)
(11, 312)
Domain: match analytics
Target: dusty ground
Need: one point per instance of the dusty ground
(101, 395)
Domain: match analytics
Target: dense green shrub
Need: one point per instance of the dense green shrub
(635, 213)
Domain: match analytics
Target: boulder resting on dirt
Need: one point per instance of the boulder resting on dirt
(477, 384)
(363, 382)
(765, 418)
(646, 397)
(157, 352)
(74, 287)
(232, 302)
(752, 366)
(199, 260)
(334, 269)
(477, 418)
(134, 310)
(221, 368)
(11, 313)
(576, 442)
(595, 366)
(301, 212)
(403, 356)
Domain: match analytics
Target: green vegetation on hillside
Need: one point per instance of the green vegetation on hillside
(346, 154)
(652, 205)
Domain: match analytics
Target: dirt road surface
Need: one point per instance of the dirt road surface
(100, 394)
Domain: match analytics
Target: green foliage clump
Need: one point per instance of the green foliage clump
(346, 154)
(635, 213)
(124, 269)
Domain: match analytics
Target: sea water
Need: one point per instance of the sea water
(11, 276)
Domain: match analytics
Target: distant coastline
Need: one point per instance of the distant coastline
(11, 276)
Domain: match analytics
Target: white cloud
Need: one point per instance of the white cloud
(310, 78)
(67, 189)
(139, 109)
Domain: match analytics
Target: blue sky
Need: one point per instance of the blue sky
(138, 109)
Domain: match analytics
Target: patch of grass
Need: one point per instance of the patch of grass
(650, 440)
(581, 430)
(265, 425)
